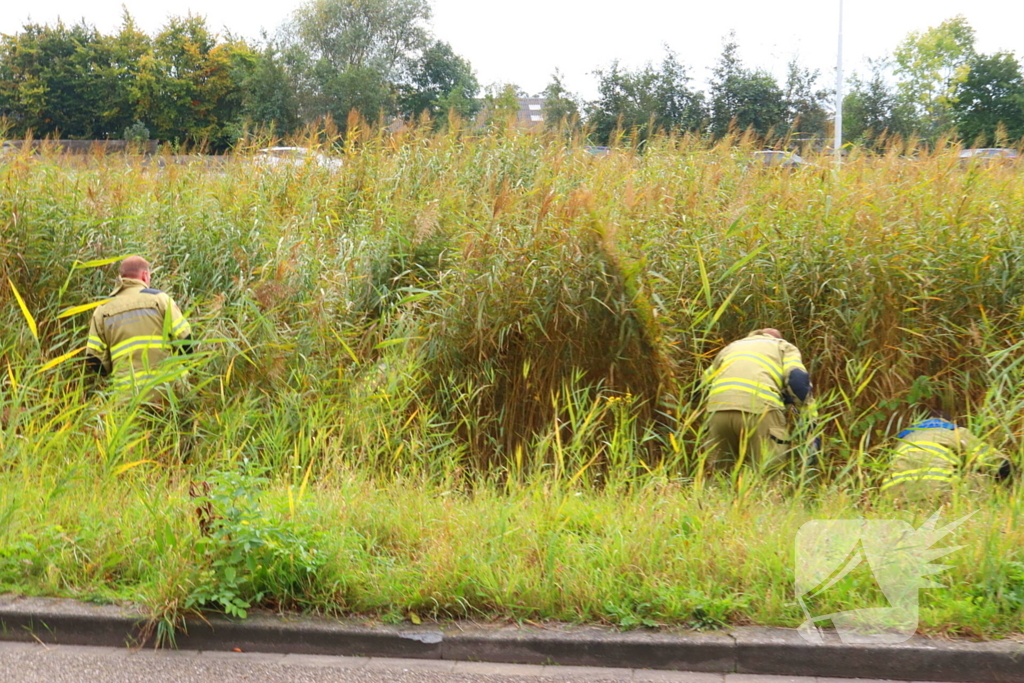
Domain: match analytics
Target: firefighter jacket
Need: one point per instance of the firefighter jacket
(938, 452)
(131, 332)
(756, 374)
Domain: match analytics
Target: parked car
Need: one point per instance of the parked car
(780, 158)
(597, 150)
(988, 155)
(277, 157)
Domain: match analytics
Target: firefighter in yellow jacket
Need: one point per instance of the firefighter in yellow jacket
(131, 333)
(933, 454)
(748, 387)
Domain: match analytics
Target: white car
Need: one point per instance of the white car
(277, 157)
(986, 156)
(776, 157)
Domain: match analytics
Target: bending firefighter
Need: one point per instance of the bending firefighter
(933, 454)
(748, 387)
(131, 333)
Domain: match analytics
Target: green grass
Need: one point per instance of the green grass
(457, 378)
(655, 554)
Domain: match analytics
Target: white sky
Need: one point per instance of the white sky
(525, 40)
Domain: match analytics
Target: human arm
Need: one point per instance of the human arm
(97, 351)
(178, 328)
(796, 384)
(980, 456)
(710, 373)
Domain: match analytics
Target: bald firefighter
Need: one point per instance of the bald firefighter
(131, 333)
(933, 454)
(748, 387)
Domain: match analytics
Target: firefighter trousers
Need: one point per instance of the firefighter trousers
(755, 439)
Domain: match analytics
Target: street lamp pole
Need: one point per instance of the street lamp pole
(839, 92)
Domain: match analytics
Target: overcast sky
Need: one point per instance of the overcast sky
(524, 41)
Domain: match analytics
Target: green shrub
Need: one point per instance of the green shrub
(249, 555)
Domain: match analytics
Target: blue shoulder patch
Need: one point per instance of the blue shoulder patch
(932, 423)
(150, 290)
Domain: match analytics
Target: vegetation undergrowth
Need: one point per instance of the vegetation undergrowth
(457, 377)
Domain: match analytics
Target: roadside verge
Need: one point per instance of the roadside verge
(743, 650)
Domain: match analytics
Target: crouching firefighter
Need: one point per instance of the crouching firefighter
(747, 389)
(932, 455)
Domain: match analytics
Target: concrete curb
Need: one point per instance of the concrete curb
(744, 650)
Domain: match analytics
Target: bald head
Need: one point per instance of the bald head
(136, 268)
(772, 332)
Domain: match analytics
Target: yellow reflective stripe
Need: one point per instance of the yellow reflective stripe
(764, 361)
(135, 378)
(178, 325)
(96, 344)
(141, 342)
(932, 447)
(922, 474)
(985, 453)
(941, 450)
(140, 345)
(791, 363)
(755, 388)
(132, 340)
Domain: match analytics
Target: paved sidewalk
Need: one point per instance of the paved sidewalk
(771, 651)
(34, 663)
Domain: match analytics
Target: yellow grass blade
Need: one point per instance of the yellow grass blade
(98, 262)
(74, 310)
(583, 469)
(345, 346)
(705, 283)
(57, 361)
(392, 342)
(127, 466)
(24, 310)
(348, 350)
(305, 480)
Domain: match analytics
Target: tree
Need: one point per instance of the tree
(384, 35)
(268, 96)
(501, 102)
(644, 101)
(679, 107)
(52, 81)
(989, 100)
(929, 66)
(127, 50)
(190, 86)
(440, 81)
(561, 107)
(356, 88)
(352, 54)
(744, 99)
(183, 85)
(805, 104)
(874, 111)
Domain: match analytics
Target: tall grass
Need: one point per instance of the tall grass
(459, 324)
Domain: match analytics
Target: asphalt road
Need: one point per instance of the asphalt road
(32, 663)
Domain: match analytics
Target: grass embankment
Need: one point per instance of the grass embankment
(467, 368)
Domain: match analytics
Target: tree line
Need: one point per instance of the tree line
(190, 86)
